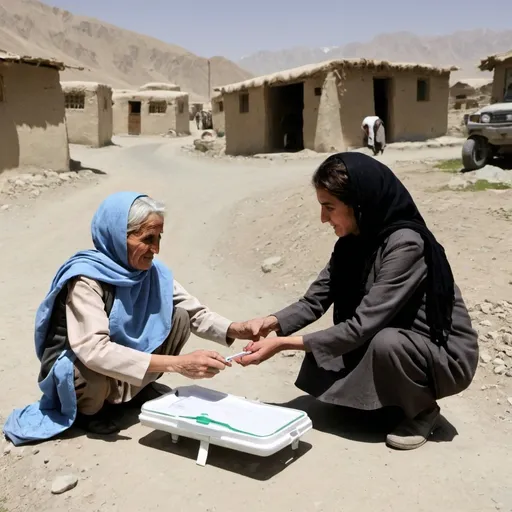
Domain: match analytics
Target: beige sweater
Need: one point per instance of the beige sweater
(89, 336)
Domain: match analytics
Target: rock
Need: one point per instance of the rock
(493, 335)
(4, 207)
(51, 174)
(485, 323)
(485, 357)
(34, 193)
(507, 338)
(509, 373)
(486, 308)
(7, 449)
(270, 263)
(509, 400)
(64, 177)
(498, 362)
(19, 183)
(498, 370)
(64, 483)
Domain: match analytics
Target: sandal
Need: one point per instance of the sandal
(98, 423)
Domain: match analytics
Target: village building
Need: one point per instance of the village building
(151, 112)
(321, 106)
(160, 86)
(88, 113)
(32, 117)
(501, 65)
(219, 121)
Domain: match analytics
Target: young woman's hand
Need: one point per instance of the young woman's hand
(261, 351)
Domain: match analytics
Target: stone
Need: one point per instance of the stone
(493, 335)
(506, 338)
(509, 373)
(485, 357)
(64, 177)
(19, 183)
(51, 174)
(64, 483)
(509, 400)
(270, 263)
(498, 362)
(4, 207)
(34, 193)
(498, 370)
(486, 323)
(486, 308)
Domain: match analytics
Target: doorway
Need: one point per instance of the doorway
(286, 122)
(382, 102)
(134, 117)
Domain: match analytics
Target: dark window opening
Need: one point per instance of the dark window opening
(318, 91)
(244, 103)
(422, 90)
(157, 107)
(221, 106)
(181, 107)
(75, 101)
(135, 107)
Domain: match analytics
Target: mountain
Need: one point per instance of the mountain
(463, 49)
(112, 55)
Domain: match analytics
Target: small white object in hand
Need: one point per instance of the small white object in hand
(234, 356)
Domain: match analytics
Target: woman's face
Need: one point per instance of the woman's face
(340, 216)
(145, 243)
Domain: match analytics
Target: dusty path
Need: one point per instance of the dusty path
(343, 465)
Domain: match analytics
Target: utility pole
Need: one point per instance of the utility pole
(209, 81)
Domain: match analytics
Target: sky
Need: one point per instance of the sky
(238, 28)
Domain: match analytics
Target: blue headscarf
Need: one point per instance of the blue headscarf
(140, 317)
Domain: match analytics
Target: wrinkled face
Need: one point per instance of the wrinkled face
(145, 243)
(340, 216)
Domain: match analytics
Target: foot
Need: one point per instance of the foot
(98, 423)
(413, 433)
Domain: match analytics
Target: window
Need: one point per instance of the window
(422, 90)
(318, 91)
(221, 106)
(244, 102)
(105, 104)
(181, 107)
(157, 107)
(1, 89)
(75, 101)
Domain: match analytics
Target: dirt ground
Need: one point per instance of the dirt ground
(225, 218)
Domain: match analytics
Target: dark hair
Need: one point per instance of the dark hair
(333, 177)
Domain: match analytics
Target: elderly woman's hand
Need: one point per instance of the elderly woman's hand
(253, 329)
(201, 364)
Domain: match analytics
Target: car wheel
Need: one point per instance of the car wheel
(475, 154)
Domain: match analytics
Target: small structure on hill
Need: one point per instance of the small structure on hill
(501, 65)
(151, 112)
(160, 86)
(32, 116)
(321, 106)
(88, 113)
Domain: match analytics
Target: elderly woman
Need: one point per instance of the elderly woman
(113, 321)
(402, 335)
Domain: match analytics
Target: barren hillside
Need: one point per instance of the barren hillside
(463, 49)
(113, 55)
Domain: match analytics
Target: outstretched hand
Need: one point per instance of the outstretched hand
(260, 351)
(253, 329)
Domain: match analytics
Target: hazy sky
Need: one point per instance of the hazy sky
(237, 28)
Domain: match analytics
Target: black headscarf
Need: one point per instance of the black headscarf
(383, 205)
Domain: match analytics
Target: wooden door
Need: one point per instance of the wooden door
(134, 119)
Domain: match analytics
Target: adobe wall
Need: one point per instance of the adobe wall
(498, 84)
(32, 118)
(247, 133)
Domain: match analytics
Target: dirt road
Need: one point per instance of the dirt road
(343, 463)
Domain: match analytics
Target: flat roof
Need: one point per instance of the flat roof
(309, 70)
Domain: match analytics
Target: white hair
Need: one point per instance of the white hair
(140, 210)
